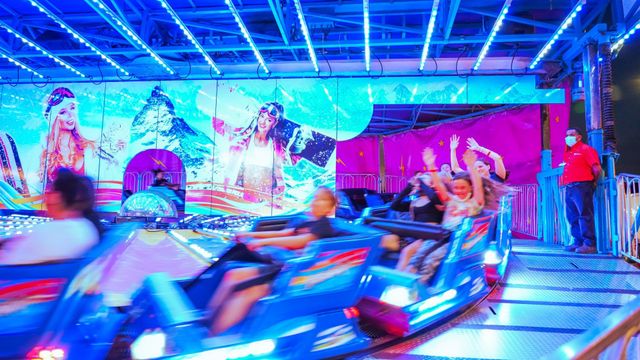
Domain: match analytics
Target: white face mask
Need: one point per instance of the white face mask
(570, 140)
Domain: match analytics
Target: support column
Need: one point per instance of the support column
(545, 206)
(610, 152)
(600, 121)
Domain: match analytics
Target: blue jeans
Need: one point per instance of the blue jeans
(579, 200)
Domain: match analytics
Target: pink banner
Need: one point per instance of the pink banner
(358, 156)
(514, 134)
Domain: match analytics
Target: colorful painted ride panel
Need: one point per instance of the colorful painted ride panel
(339, 266)
(479, 230)
(24, 304)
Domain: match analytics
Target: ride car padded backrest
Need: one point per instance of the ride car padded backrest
(326, 277)
(272, 223)
(409, 228)
(468, 242)
(48, 293)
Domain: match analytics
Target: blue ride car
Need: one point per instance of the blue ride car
(54, 310)
(323, 303)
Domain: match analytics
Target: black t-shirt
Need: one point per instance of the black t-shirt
(427, 213)
(320, 228)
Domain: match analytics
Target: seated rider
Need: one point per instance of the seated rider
(74, 230)
(160, 180)
(467, 199)
(314, 225)
(425, 205)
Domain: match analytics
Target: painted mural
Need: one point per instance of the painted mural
(247, 146)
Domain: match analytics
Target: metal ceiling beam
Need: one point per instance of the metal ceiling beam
(233, 31)
(431, 112)
(7, 9)
(84, 33)
(323, 45)
(451, 16)
(279, 18)
(360, 23)
(512, 18)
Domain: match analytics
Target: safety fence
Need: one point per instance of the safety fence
(628, 188)
(553, 227)
(524, 209)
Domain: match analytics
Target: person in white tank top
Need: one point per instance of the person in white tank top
(68, 236)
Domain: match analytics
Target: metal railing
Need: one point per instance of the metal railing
(136, 181)
(553, 227)
(525, 210)
(614, 337)
(628, 187)
(525, 200)
(361, 181)
(394, 183)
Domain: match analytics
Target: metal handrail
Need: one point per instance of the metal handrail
(621, 325)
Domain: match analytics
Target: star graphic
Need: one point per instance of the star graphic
(441, 143)
(361, 153)
(557, 119)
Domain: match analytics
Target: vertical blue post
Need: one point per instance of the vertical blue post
(545, 203)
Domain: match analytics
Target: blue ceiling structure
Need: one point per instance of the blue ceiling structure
(113, 40)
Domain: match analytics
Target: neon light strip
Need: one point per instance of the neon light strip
(246, 34)
(189, 35)
(20, 64)
(556, 35)
(427, 40)
(132, 35)
(494, 30)
(620, 42)
(307, 35)
(46, 53)
(367, 49)
(78, 37)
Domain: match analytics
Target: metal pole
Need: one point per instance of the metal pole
(610, 147)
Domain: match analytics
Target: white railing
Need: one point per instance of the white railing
(136, 181)
(525, 209)
(360, 181)
(395, 184)
(629, 216)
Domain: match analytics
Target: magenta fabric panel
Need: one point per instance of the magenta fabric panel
(515, 134)
(358, 156)
(559, 118)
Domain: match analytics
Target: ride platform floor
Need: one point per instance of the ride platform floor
(547, 297)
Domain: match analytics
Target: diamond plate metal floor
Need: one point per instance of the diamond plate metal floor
(547, 297)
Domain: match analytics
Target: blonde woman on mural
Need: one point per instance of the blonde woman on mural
(66, 146)
(256, 155)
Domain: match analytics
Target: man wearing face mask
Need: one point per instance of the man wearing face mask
(581, 172)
